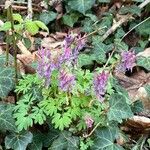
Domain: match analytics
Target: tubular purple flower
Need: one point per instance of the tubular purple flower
(128, 60)
(68, 40)
(89, 121)
(80, 42)
(44, 68)
(66, 81)
(100, 82)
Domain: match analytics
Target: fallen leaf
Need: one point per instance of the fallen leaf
(145, 53)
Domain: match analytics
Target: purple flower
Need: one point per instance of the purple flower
(80, 42)
(100, 82)
(67, 41)
(128, 60)
(89, 121)
(66, 81)
(66, 56)
(44, 65)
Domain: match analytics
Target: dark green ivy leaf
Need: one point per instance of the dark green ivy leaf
(137, 106)
(6, 118)
(144, 62)
(47, 17)
(81, 5)
(7, 81)
(119, 109)
(135, 10)
(65, 141)
(104, 139)
(18, 141)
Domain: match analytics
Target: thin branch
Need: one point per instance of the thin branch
(135, 27)
(126, 18)
(30, 11)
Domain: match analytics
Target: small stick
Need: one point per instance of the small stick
(122, 20)
(135, 27)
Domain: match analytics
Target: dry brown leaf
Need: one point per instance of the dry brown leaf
(22, 48)
(145, 53)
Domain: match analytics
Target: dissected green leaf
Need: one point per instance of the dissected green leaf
(18, 141)
(31, 27)
(6, 118)
(65, 141)
(104, 139)
(7, 81)
(81, 5)
(47, 17)
(144, 62)
(119, 109)
(85, 59)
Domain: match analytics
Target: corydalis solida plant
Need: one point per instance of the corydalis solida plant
(100, 82)
(47, 63)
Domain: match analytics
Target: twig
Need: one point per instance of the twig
(91, 33)
(16, 7)
(30, 12)
(135, 27)
(126, 18)
(110, 56)
(116, 25)
(86, 136)
(144, 4)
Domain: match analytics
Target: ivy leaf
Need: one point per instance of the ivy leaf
(144, 29)
(144, 62)
(105, 138)
(81, 5)
(31, 27)
(137, 106)
(71, 19)
(104, 1)
(147, 88)
(100, 50)
(130, 9)
(119, 109)
(37, 142)
(47, 17)
(7, 81)
(6, 119)
(65, 141)
(18, 141)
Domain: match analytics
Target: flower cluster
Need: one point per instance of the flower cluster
(88, 121)
(128, 59)
(100, 82)
(44, 67)
(47, 63)
(66, 81)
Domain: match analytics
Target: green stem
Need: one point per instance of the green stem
(7, 34)
(14, 43)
